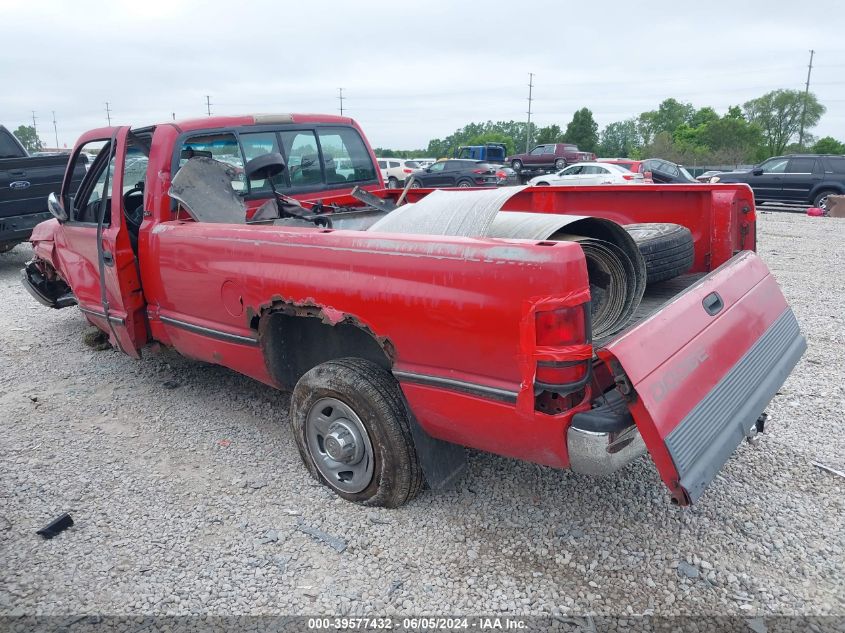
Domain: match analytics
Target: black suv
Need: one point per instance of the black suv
(798, 178)
(456, 173)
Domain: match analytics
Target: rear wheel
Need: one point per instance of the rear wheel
(560, 163)
(516, 165)
(353, 434)
(464, 183)
(820, 200)
(542, 183)
(393, 183)
(667, 249)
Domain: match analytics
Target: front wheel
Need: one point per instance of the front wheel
(416, 184)
(516, 165)
(352, 431)
(560, 163)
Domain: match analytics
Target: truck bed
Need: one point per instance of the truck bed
(655, 297)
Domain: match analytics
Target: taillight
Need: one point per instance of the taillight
(501, 175)
(558, 329)
(408, 171)
(561, 327)
(628, 176)
(479, 171)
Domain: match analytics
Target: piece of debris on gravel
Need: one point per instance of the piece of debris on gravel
(149, 467)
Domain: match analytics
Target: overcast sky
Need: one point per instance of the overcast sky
(411, 71)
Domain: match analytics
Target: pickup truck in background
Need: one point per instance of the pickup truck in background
(401, 348)
(489, 152)
(549, 156)
(25, 182)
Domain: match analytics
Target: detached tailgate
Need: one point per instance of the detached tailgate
(704, 367)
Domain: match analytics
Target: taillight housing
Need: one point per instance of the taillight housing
(561, 327)
(479, 171)
(556, 330)
(407, 171)
(501, 175)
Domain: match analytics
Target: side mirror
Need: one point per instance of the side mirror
(757, 171)
(56, 208)
(428, 170)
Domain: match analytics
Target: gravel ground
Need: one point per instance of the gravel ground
(189, 496)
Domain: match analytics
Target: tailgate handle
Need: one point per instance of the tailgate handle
(713, 303)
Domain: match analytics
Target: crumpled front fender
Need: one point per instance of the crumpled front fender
(43, 240)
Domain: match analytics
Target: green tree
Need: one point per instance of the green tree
(732, 140)
(548, 134)
(670, 115)
(619, 139)
(583, 130)
(28, 137)
(828, 145)
(493, 137)
(778, 114)
(703, 116)
(512, 133)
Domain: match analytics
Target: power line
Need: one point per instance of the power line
(806, 94)
(530, 99)
(208, 104)
(340, 97)
(108, 113)
(55, 129)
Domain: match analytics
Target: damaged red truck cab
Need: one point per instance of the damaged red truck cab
(402, 349)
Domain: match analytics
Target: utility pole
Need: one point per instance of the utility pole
(108, 113)
(208, 104)
(55, 129)
(530, 99)
(806, 94)
(340, 97)
(33, 124)
(173, 114)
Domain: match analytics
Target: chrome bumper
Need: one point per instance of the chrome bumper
(601, 453)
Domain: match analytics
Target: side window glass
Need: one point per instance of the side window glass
(82, 164)
(256, 144)
(550, 149)
(774, 166)
(837, 165)
(436, 167)
(801, 166)
(223, 147)
(86, 202)
(382, 164)
(537, 150)
(346, 156)
(300, 150)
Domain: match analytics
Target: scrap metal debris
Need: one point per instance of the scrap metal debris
(336, 543)
(829, 469)
(56, 526)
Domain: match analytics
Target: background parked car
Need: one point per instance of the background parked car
(424, 162)
(589, 174)
(662, 171)
(797, 178)
(491, 152)
(395, 170)
(707, 175)
(455, 172)
(549, 156)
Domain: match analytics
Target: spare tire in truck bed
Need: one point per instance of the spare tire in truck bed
(667, 249)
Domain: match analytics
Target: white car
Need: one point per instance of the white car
(589, 174)
(395, 170)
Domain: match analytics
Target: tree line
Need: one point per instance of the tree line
(766, 126)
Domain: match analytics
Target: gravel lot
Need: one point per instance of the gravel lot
(189, 496)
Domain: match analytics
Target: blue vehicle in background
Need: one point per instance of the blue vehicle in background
(490, 152)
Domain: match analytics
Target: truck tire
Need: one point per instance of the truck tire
(352, 431)
(668, 249)
(516, 165)
(560, 163)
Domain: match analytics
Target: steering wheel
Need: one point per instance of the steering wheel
(134, 213)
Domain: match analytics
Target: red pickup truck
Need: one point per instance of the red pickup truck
(401, 349)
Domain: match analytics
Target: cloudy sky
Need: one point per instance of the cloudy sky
(410, 71)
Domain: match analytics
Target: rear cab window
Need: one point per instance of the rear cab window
(317, 157)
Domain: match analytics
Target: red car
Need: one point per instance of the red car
(549, 156)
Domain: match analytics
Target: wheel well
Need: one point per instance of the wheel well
(295, 340)
(823, 189)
